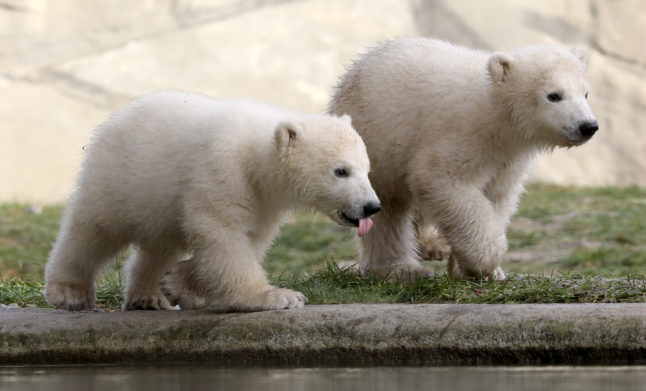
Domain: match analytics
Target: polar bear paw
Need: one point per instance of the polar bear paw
(279, 298)
(188, 301)
(457, 272)
(69, 296)
(434, 248)
(271, 299)
(498, 274)
(154, 301)
(177, 287)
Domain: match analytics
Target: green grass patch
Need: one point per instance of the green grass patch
(567, 244)
(29, 293)
(25, 239)
(334, 284)
(307, 241)
(589, 231)
(337, 285)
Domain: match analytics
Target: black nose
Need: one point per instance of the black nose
(371, 208)
(588, 128)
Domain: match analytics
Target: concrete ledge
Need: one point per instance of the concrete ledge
(322, 335)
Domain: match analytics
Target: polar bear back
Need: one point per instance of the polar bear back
(405, 85)
(186, 124)
(162, 145)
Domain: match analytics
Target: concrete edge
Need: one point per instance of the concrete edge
(331, 335)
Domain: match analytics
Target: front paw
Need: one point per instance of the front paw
(176, 287)
(280, 298)
(153, 301)
(72, 297)
(270, 299)
(457, 271)
(498, 274)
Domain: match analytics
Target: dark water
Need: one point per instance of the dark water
(336, 379)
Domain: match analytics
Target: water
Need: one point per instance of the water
(181, 377)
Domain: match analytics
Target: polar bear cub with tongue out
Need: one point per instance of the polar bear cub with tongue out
(176, 174)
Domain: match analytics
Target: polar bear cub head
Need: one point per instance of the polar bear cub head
(545, 91)
(327, 165)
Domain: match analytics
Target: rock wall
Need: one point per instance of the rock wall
(66, 64)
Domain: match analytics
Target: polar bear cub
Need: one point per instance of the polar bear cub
(452, 134)
(176, 173)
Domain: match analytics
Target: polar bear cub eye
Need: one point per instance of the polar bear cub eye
(554, 97)
(341, 172)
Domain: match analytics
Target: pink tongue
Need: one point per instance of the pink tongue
(364, 226)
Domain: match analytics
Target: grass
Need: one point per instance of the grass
(334, 284)
(25, 239)
(594, 231)
(567, 244)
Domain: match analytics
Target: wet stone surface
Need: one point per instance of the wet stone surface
(355, 334)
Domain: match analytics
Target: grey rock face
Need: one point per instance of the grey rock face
(350, 335)
(65, 65)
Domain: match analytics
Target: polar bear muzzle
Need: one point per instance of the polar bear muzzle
(588, 129)
(364, 223)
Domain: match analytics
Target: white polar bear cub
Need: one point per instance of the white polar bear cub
(176, 173)
(452, 134)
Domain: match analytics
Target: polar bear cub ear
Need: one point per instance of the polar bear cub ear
(500, 66)
(285, 135)
(583, 54)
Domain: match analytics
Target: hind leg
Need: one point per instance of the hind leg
(178, 285)
(144, 271)
(81, 250)
(432, 246)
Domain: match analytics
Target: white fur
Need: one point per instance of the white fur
(176, 173)
(452, 134)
